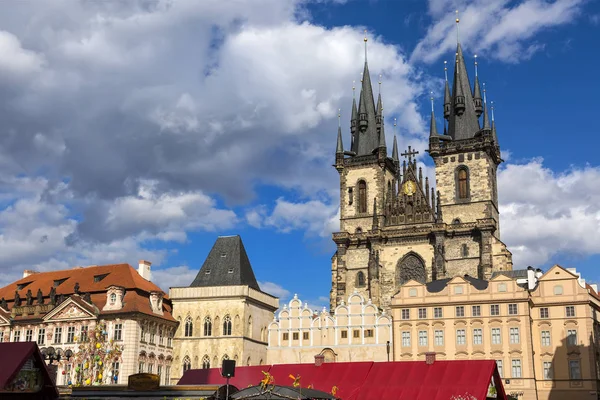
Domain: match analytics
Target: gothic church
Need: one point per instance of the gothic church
(393, 225)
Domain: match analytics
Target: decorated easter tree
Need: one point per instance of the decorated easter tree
(94, 356)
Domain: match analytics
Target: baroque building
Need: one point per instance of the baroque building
(542, 329)
(56, 308)
(394, 226)
(223, 314)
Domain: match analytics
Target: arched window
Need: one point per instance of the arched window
(250, 326)
(189, 327)
(248, 363)
(225, 357)
(362, 197)
(113, 298)
(207, 326)
(462, 178)
(187, 363)
(456, 221)
(389, 186)
(206, 362)
(360, 279)
(465, 250)
(227, 326)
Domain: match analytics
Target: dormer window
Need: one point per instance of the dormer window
(98, 278)
(57, 282)
(113, 298)
(207, 272)
(230, 271)
(223, 255)
(22, 286)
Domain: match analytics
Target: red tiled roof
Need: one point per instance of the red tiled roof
(137, 288)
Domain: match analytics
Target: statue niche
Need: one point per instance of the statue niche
(411, 266)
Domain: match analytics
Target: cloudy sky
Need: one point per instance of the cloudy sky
(145, 129)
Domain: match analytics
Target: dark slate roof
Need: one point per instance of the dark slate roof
(366, 142)
(227, 264)
(439, 285)
(514, 274)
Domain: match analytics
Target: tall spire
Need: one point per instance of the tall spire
(447, 98)
(477, 93)
(367, 139)
(494, 136)
(340, 146)
(486, 118)
(463, 122)
(395, 146)
(432, 128)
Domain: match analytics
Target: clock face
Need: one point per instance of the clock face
(409, 188)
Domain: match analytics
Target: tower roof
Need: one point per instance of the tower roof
(462, 124)
(227, 264)
(366, 139)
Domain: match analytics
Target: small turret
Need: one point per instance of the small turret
(354, 118)
(477, 93)
(432, 127)
(340, 146)
(447, 97)
(494, 136)
(486, 118)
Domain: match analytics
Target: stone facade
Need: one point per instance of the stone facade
(355, 331)
(220, 322)
(542, 329)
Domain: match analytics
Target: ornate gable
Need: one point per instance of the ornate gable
(69, 310)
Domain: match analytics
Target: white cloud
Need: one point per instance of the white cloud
(544, 213)
(17, 62)
(498, 29)
(276, 290)
(313, 217)
(180, 276)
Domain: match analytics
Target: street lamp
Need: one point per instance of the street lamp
(52, 354)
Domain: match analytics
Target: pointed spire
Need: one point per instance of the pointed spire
(463, 121)
(395, 146)
(477, 93)
(486, 119)
(432, 127)
(432, 198)
(382, 134)
(494, 136)
(367, 139)
(340, 146)
(447, 98)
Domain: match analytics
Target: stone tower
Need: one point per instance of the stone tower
(393, 226)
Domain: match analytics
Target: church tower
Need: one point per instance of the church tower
(394, 227)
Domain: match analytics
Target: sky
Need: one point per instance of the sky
(145, 129)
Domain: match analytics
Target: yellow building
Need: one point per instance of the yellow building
(223, 314)
(355, 331)
(540, 328)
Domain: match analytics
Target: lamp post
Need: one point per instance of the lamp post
(52, 354)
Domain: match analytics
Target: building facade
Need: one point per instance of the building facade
(542, 329)
(223, 314)
(68, 304)
(394, 226)
(355, 331)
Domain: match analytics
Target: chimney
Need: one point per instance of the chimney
(144, 269)
(430, 357)
(28, 272)
(594, 286)
(539, 273)
(319, 360)
(531, 279)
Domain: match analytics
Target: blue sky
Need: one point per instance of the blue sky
(146, 129)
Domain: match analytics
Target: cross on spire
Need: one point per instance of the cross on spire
(410, 153)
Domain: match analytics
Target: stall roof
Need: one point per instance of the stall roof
(14, 356)
(244, 376)
(281, 392)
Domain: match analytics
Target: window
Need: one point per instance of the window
(29, 335)
(360, 279)
(516, 368)
(170, 340)
(41, 336)
(159, 372)
(406, 313)
(494, 309)
(161, 336)
(305, 336)
(189, 328)
(476, 311)
(368, 332)
(514, 336)
(286, 336)
(295, 336)
(344, 334)
(150, 368)
(547, 370)
(512, 309)
(227, 326)
(570, 310)
(412, 292)
(463, 182)
(460, 311)
(115, 371)
(422, 313)
(558, 290)
(574, 369)
(152, 335)
(496, 337)
(70, 334)
(58, 335)
(98, 278)
(461, 337)
(356, 333)
(477, 336)
(187, 364)
(422, 338)
(113, 298)
(572, 337)
(350, 196)
(405, 339)
(464, 250)
(84, 334)
(437, 312)
(207, 326)
(1, 336)
(118, 332)
(545, 338)
(206, 362)
(362, 197)
(544, 312)
(458, 290)
(17, 336)
(67, 374)
(167, 375)
(141, 367)
(500, 369)
(439, 338)
(502, 287)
